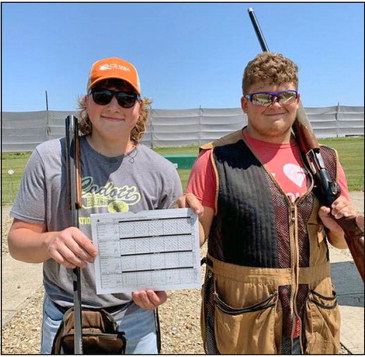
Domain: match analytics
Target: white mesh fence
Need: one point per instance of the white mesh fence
(23, 131)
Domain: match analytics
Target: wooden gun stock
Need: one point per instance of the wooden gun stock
(304, 132)
(355, 241)
(328, 190)
(73, 164)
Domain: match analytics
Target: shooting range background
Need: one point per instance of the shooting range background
(23, 131)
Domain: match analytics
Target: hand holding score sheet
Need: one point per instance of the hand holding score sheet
(157, 250)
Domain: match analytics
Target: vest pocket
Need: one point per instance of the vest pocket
(249, 330)
(322, 328)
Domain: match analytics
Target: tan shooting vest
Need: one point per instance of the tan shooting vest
(267, 263)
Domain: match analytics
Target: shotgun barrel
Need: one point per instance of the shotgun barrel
(73, 169)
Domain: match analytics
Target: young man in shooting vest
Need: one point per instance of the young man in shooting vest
(118, 174)
(267, 287)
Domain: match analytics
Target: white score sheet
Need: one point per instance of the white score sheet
(156, 249)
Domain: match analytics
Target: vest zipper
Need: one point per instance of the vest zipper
(294, 246)
(295, 269)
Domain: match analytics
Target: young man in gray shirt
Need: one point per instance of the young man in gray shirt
(118, 174)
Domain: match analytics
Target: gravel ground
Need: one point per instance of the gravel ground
(5, 224)
(179, 319)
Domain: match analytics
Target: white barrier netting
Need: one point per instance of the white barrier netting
(23, 131)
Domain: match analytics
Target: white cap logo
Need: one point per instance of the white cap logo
(106, 67)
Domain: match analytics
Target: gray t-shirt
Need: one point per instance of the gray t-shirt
(140, 180)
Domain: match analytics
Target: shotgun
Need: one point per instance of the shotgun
(73, 177)
(328, 190)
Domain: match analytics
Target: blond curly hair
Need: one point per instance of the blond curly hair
(85, 125)
(272, 67)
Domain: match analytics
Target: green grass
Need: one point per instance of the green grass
(194, 150)
(350, 150)
(15, 161)
(184, 176)
(351, 155)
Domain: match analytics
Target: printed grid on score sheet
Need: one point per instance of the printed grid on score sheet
(149, 252)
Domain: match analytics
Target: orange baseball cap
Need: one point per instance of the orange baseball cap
(114, 67)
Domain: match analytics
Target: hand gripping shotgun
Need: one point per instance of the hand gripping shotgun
(73, 177)
(328, 190)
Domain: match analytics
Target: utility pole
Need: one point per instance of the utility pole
(46, 101)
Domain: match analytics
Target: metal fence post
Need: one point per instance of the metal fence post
(337, 118)
(200, 125)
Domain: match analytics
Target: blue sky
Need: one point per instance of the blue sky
(188, 55)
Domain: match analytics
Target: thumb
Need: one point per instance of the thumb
(324, 211)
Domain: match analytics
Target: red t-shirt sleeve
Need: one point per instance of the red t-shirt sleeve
(341, 180)
(202, 180)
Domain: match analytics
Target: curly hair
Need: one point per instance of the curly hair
(139, 129)
(269, 66)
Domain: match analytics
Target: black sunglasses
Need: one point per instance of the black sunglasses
(104, 97)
